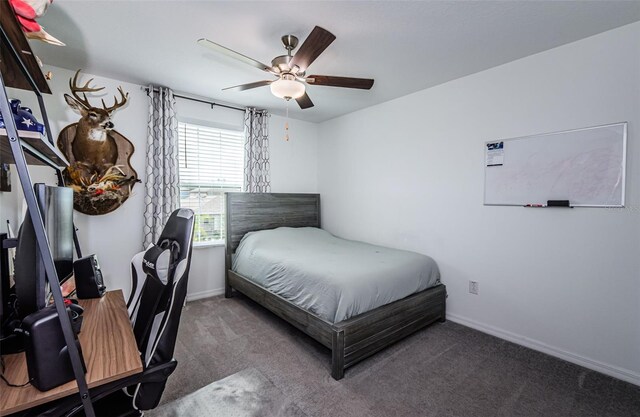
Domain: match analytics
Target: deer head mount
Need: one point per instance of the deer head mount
(95, 121)
(100, 171)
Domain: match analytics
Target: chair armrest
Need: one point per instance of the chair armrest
(160, 372)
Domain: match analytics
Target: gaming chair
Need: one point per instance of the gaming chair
(159, 288)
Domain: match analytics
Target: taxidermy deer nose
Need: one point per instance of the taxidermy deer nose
(109, 125)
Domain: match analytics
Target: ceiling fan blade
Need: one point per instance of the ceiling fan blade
(249, 86)
(348, 82)
(312, 47)
(235, 55)
(304, 102)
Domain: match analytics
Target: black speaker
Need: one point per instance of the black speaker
(89, 283)
(48, 361)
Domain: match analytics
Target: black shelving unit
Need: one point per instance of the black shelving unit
(19, 69)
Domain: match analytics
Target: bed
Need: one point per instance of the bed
(351, 333)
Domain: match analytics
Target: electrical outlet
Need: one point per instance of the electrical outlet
(473, 287)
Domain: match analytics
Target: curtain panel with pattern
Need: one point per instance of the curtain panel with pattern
(256, 165)
(161, 183)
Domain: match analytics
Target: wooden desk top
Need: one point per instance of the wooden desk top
(108, 346)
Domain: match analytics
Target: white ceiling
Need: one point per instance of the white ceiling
(404, 46)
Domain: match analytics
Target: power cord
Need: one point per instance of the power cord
(5, 379)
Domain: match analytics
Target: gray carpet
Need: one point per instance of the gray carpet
(444, 370)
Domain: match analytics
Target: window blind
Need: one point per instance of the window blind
(211, 162)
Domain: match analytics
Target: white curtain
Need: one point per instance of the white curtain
(161, 183)
(256, 162)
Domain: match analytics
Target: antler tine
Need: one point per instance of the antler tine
(86, 87)
(117, 104)
(73, 86)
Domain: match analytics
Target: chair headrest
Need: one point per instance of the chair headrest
(177, 232)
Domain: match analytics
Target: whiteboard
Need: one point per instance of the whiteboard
(585, 166)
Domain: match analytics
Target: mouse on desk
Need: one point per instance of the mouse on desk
(76, 308)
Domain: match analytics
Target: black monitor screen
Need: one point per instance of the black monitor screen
(56, 207)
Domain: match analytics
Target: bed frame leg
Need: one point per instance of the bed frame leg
(228, 291)
(337, 355)
(443, 318)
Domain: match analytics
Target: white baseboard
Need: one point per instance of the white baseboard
(204, 294)
(611, 370)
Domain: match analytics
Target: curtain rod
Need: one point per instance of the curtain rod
(212, 103)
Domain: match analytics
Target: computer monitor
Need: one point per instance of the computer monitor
(31, 282)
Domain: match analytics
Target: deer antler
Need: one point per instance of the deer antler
(117, 104)
(75, 89)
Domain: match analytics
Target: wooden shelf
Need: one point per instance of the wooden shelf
(11, 73)
(38, 150)
(108, 345)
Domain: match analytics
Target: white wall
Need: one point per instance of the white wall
(409, 174)
(117, 236)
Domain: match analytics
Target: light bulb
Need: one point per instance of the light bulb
(287, 88)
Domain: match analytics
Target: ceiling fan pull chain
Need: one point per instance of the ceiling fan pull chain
(286, 124)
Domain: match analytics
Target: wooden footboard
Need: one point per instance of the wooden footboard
(359, 337)
(374, 330)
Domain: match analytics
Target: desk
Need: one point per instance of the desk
(108, 346)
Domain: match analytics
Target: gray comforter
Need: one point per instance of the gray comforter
(331, 277)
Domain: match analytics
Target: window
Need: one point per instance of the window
(211, 163)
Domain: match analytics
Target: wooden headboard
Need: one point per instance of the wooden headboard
(249, 212)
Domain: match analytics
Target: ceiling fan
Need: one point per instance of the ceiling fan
(291, 69)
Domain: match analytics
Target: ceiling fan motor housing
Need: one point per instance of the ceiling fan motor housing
(281, 63)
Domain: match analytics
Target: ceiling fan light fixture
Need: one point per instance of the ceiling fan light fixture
(291, 69)
(287, 88)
